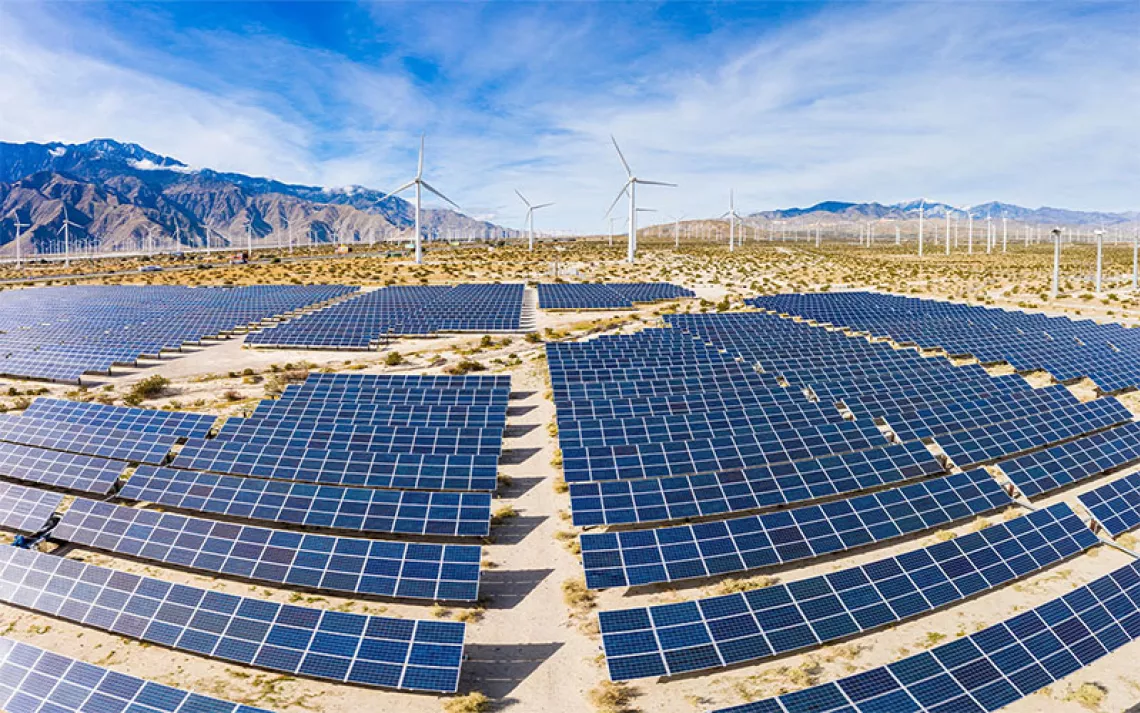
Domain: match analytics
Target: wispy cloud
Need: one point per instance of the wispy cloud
(1034, 103)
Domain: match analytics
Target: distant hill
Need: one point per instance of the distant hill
(128, 197)
(831, 210)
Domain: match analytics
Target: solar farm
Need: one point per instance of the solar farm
(672, 495)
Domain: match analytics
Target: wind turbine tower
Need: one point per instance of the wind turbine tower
(921, 210)
(630, 189)
(65, 229)
(419, 183)
(530, 209)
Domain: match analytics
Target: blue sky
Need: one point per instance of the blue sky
(1035, 103)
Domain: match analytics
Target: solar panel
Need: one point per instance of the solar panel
(381, 439)
(305, 416)
(403, 512)
(661, 499)
(707, 455)
(963, 415)
(337, 646)
(26, 509)
(361, 468)
(32, 679)
(991, 668)
(1052, 468)
(688, 551)
(62, 333)
(170, 423)
(1115, 506)
(321, 562)
(87, 440)
(62, 470)
(553, 296)
(671, 639)
(980, 445)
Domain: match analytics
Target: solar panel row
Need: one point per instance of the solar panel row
(1115, 506)
(87, 440)
(613, 295)
(671, 639)
(323, 562)
(90, 413)
(402, 512)
(70, 471)
(36, 681)
(687, 551)
(1052, 468)
(343, 647)
(991, 668)
(26, 509)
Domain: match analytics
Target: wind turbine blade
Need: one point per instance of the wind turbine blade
(541, 205)
(722, 216)
(619, 195)
(427, 185)
(657, 183)
(401, 189)
(524, 200)
(628, 171)
(646, 210)
(420, 169)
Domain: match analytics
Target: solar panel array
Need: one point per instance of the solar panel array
(1067, 349)
(671, 639)
(634, 409)
(70, 471)
(401, 512)
(33, 680)
(991, 668)
(667, 554)
(87, 440)
(61, 333)
(366, 650)
(1052, 468)
(361, 322)
(1116, 505)
(89, 413)
(611, 295)
(26, 509)
(323, 562)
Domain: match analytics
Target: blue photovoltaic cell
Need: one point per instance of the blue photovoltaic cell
(661, 499)
(362, 468)
(671, 639)
(322, 562)
(26, 509)
(739, 544)
(403, 512)
(33, 680)
(169, 423)
(991, 668)
(337, 646)
(1053, 468)
(87, 440)
(62, 470)
(1116, 505)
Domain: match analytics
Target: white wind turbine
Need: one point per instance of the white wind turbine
(65, 229)
(677, 230)
(530, 209)
(732, 218)
(19, 230)
(419, 184)
(630, 189)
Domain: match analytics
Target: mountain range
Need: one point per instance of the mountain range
(909, 210)
(130, 199)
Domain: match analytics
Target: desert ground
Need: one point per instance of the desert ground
(532, 641)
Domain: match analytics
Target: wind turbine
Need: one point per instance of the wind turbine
(19, 229)
(630, 189)
(419, 183)
(732, 218)
(530, 209)
(921, 212)
(677, 230)
(66, 236)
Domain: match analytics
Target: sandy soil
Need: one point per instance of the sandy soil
(531, 651)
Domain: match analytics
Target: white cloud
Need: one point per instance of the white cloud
(961, 102)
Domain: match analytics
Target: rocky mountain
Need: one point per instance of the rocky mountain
(124, 198)
(908, 210)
